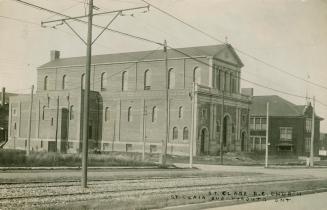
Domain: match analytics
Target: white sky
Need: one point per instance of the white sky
(289, 34)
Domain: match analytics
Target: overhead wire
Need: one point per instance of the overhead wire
(158, 43)
(236, 49)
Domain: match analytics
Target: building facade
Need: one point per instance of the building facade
(4, 116)
(290, 126)
(128, 103)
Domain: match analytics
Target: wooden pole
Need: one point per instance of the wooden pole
(222, 130)
(30, 123)
(312, 132)
(164, 150)
(193, 125)
(267, 135)
(57, 124)
(86, 96)
(144, 131)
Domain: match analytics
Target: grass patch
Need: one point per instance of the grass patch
(19, 158)
(242, 159)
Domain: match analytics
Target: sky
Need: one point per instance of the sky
(288, 34)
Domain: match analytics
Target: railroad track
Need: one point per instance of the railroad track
(66, 183)
(170, 189)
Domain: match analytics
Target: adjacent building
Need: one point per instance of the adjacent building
(290, 126)
(4, 115)
(128, 105)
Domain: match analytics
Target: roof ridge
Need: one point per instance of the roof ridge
(205, 50)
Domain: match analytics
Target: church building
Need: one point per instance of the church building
(129, 106)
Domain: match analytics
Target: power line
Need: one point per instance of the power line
(239, 50)
(255, 83)
(158, 43)
(19, 20)
(64, 10)
(85, 22)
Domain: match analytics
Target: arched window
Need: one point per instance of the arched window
(45, 83)
(129, 114)
(175, 133)
(124, 81)
(63, 84)
(218, 79)
(43, 110)
(52, 121)
(71, 112)
(217, 126)
(106, 114)
(154, 114)
(103, 80)
(83, 81)
(197, 75)
(147, 80)
(180, 112)
(171, 79)
(15, 126)
(185, 133)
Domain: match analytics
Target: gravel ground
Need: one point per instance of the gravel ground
(155, 185)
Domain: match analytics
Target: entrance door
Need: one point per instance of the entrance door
(243, 142)
(203, 140)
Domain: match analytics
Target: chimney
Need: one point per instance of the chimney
(3, 96)
(247, 91)
(54, 55)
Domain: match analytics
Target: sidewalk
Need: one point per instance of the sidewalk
(77, 167)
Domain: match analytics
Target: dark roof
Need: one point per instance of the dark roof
(211, 50)
(7, 96)
(277, 106)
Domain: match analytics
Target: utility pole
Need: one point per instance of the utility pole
(30, 123)
(57, 124)
(89, 44)
(114, 137)
(164, 150)
(86, 95)
(144, 129)
(222, 130)
(312, 132)
(193, 122)
(267, 135)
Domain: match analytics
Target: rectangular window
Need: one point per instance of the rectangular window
(204, 114)
(153, 148)
(307, 144)
(286, 133)
(252, 123)
(90, 131)
(218, 79)
(257, 144)
(252, 142)
(263, 123)
(222, 81)
(128, 147)
(263, 143)
(257, 124)
(308, 125)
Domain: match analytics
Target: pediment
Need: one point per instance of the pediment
(229, 55)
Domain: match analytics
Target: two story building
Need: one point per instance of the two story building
(290, 126)
(128, 103)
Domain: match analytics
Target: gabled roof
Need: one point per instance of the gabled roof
(277, 107)
(210, 50)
